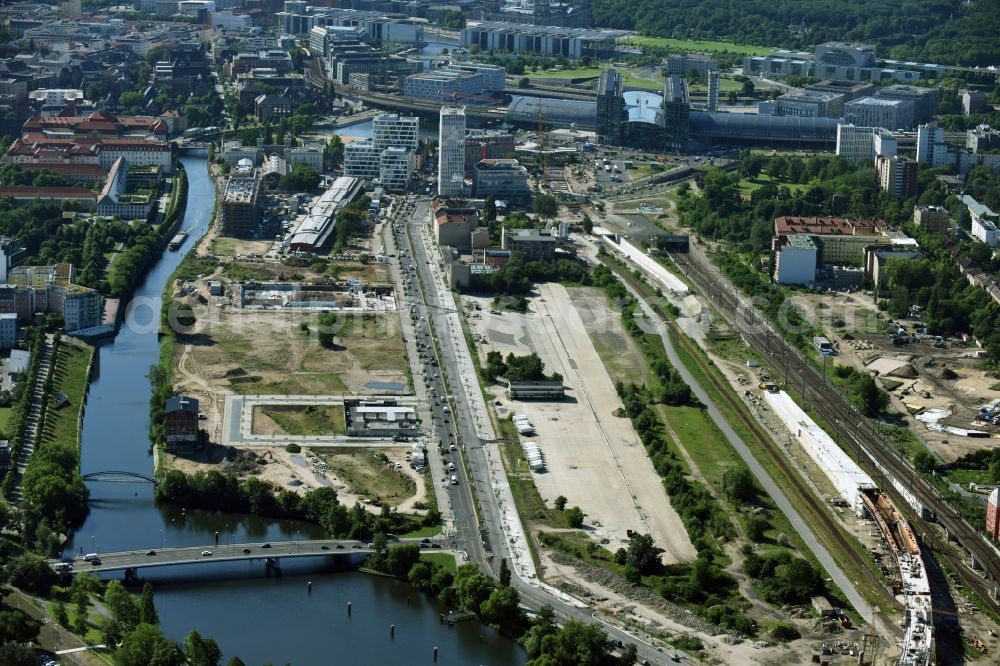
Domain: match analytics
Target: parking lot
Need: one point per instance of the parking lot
(593, 458)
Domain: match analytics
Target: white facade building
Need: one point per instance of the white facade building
(391, 129)
(795, 261)
(361, 160)
(857, 144)
(984, 221)
(396, 168)
(451, 151)
(931, 148)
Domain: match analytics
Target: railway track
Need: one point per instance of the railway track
(827, 528)
(853, 428)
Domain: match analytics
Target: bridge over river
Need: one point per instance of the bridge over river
(133, 560)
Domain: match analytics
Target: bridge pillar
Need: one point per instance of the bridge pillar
(273, 566)
(974, 563)
(131, 576)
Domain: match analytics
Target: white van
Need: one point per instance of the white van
(89, 556)
(451, 467)
(454, 480)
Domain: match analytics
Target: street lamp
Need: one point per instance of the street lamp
(298, 544)
(161, 539)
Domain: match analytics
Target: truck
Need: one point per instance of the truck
(822, 345)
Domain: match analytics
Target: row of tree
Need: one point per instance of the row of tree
(224, 492)
(923, 30)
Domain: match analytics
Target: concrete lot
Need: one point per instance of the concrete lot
(593, 458)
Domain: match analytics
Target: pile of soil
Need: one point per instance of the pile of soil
(905, 371)
(948, 373)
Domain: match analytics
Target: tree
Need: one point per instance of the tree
(504, 573)
(472, 587)
(545, 206)
(401, 559)
(333, 152)
(490, 209)
(574, 517)
(122, 605)
(147, 609)
(62, 617)
(575, 644)
(32, 574)
(502, 610)
(15, 654)
(235, 661)
(643, 554)
(739, 486)
(16, 626)
(524, 82)
(924, 461)
(301, 179)
(868, 397)
(146, 645)
(201, 651)
(560, 503)
(748, 87)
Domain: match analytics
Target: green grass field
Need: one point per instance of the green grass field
(5, 413)
(306, 420)
(696, 45)
(70, 377)
(631, 80)
(446, 560)
(748, 186)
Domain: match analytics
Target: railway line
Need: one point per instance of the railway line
(825, 523)
(892, 473)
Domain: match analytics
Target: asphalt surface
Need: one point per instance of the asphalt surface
(227, 552)
(459, 423)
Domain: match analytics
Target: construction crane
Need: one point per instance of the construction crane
(543, 152)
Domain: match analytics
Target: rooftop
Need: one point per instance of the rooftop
(836, 226)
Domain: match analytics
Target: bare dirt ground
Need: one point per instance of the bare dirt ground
(593, 458)
(918, 376)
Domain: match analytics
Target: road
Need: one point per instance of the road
(227, 552)
(434, 307)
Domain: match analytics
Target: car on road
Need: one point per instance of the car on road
(150, 552)
(435, 545)
(246, 551)
(265, 545)
(324, 548)
(339, 546)
(206, 553)
(95, 562)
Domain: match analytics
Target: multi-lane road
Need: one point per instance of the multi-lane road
(489, 539)
(226, 552)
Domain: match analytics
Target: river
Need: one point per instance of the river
(257, 618)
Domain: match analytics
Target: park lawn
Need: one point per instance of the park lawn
(697, 45)
(306, 420)
(69, 377)
(749, 185)
(445, 560)
(422, 533)
(577, 73)
(630, 79)
(5, 413)
(725, 85)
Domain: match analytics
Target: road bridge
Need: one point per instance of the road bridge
(133, 560)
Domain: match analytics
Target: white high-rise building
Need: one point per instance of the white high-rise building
(393, 130)
(864, 143)
(451, 151)
(931, 148)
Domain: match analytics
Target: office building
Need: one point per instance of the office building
(392, 129)
(361, 160)
(839, 54)
(931, 148)
(796, 258)
(684, 64)
(713, 91)
(849, 89)
(842, 240)
(924, 101)
(541, 39)
(487, 144)
(810, 104)
(494, 77)
(610, 108)
(455, 86)
(880, 112)
(932, 218)
(984, 221)
(897, 175)
(529, 244)
(8, 329)
(502, 179)
(241, 204)
(454, 222)
(974, 101)
(862, 144)
(676, 113)
(396, 168)
(982, 139)
(451, 151)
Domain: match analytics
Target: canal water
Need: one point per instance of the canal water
(250, 615)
